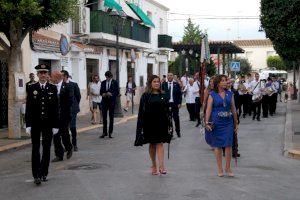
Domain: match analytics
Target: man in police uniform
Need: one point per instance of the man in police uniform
(41, 119)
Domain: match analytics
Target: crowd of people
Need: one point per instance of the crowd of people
(53, 101)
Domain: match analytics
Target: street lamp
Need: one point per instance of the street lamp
(119, 20)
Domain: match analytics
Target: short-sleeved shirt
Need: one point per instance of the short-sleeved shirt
(95, 89)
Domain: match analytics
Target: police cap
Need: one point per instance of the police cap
(42, 67)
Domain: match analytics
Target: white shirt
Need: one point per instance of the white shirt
(58, 86)
(206, 82)
(95, 89)
(41, 85)
(276, 86)
(256, 87)
(196, 88)
(190, 93)
(184, 80)
(170, 87)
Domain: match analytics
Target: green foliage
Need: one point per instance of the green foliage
(192, 33)
(276, 62)
(211, 68)
(245, 65)
(281, 22)
(31, 15)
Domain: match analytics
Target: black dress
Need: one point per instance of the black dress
(153, 120)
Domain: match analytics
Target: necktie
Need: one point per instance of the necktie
(170, 88)
(42, 87)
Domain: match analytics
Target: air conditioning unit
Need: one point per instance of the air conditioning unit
(84, 22)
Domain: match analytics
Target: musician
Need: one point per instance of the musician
(248, 94)
(275, 95)
(265, 99)
(256, 88)
(242, 90)
(271, 89)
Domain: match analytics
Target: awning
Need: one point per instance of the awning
(128, 10)
(137, 10)
(113, 5)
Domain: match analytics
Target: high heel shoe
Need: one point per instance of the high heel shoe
(154, 171)
(162, 171)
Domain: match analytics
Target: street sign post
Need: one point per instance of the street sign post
(235, 66)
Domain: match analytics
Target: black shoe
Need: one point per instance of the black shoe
(57, 159)
(44, 179)
(179, 135)
(75, 148)
(198, 124)
(69, 153)
(244, 116)
(237, 155)
(110, 136)
(103, 135)
(37, 181)
(258, 119)
(253, 118)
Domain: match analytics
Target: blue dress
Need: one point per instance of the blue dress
(221, 116)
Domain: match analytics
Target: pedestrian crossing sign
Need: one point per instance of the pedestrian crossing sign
(235, 66)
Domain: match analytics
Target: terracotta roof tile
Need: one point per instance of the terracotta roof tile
(243, 43)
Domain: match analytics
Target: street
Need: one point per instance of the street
(113, 169)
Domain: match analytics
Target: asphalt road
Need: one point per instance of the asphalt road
(113, 169)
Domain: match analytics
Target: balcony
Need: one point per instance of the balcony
(164, 41)
(101, 22)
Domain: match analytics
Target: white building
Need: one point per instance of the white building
(256, 51)
(91, 44)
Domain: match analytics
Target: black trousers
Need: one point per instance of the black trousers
(272, 103)
(175, 114)
(60, 139)
(256, 106)
(191, 109)
(265, 105)
(108, 106)
(244, 104)
(40, 166)
(197, 109)
(73, 129)
(249, 103)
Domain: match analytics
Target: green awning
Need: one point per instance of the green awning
(113, 5)
(139, 12)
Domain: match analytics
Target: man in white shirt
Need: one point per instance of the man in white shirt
(184, 79)
(197, 90)
(256, 88)
(248, 95)
(96, 97)
(273, 99)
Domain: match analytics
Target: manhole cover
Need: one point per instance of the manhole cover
(89, 166)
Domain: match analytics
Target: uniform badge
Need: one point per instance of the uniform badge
(35, 92)
(50, 93)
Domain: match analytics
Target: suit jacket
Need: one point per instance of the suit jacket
(76, 97)
(113, 89)
(65, 100)
(42, 106)
(177, 94)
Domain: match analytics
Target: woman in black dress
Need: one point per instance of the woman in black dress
(153, 123)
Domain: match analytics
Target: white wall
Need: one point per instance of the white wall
(257, 55)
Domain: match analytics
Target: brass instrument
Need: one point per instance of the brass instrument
(269, 91)
(243, 88)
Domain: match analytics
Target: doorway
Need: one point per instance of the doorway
(113, 68)
(131, 70)
(92, 68)
(149, 70)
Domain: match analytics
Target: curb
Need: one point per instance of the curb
(80, 130)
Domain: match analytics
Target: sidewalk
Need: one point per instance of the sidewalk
(83, 125)
(292, 130)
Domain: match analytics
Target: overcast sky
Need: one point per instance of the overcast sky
(217, 29)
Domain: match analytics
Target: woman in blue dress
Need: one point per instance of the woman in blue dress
(221, 124)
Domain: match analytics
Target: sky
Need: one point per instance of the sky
(217, 29)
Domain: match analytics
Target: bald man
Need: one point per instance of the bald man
(65, 99)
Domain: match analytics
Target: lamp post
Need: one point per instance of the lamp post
(119, 20)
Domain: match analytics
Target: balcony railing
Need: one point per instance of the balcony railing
(101, 21)
(164, 41)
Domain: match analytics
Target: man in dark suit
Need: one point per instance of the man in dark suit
(41, 119)
(30, 82)
(75, 106)
(65, 101)
(173, 91)
(109, 92)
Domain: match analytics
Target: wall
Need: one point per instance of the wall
(259, 55)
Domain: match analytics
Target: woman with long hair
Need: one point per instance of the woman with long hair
(153, 123)
(221, 124)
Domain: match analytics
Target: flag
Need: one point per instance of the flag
(205, 53)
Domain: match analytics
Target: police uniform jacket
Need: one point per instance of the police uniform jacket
(65, 101)
(42, 106)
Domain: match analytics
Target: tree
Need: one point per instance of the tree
(276, 62)
(281, 22)
(245, 66)
(192, 33)
(17, 19)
